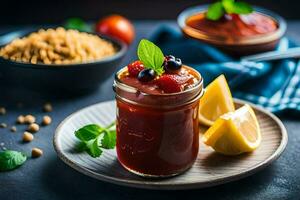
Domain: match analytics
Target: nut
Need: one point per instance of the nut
(27, 137)
(33, 128)
(46, 120)
(3, 125)
(2, 111)
(36, 152)
(29, 119)
(54, 46)
(47, 107)
(13, 129)
(21, 119)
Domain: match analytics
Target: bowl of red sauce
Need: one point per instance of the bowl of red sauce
(157, 126)
(237, 35)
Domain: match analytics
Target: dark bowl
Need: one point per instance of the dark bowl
(58, 78)
(243, 46)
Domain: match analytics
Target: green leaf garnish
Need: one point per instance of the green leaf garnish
(228, 6)
(109, 140)
(217, 10)
(80, 147)
(88, 132)
(11, 159)
(242, 8)
(93, 138)
(93, 148)
(151, 56)
(77, 24)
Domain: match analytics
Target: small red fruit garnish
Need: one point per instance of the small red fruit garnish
(135, 68)
(170, 83)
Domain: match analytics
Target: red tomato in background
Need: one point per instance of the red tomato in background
(117, 27)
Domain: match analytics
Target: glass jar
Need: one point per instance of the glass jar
(157, 135)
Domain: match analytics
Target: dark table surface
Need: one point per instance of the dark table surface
(48, 177)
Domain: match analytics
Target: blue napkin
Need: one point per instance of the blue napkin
(272, 85)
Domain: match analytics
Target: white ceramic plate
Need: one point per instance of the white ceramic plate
(209, 169)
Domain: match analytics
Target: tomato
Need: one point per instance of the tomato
(117, 27)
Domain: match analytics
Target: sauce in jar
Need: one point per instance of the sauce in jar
(157, 132)
(233, 25)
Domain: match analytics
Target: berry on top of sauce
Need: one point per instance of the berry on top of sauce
(146, 75)
(174, 79)
(135, 68)
(172, 64)
(155, 73)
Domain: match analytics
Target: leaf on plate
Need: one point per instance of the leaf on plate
(109, 140)
(88, 132)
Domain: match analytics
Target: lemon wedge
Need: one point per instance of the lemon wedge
(216, 101)
(234, 132)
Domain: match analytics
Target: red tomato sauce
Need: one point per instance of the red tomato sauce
(234, 26)
(157, 142)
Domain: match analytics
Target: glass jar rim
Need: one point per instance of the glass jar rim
(134, 96)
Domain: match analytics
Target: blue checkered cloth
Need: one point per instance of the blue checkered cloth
(272, 85)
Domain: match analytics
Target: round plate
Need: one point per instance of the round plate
(209, 169)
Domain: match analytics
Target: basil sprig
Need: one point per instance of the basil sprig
(151, 56)
(218, 9)
(11, 159)
(93, 138)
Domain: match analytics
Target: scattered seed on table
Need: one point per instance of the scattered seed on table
(3, 125)
(46, 120)
(36, 152)
(33, 128)
(29, 119)
(13, 129)
(21, 119)
(47, 107)
(2, 111)
(27, 137)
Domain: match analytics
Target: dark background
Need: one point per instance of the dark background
(56, 11)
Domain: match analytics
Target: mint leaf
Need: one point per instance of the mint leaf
(93, 138)
(109, 139)
(242, 8)
(11, 159)
(93, 148)
(151, 56)
(88, 132)
(215, 11)
(81, 146)
(228, 6)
